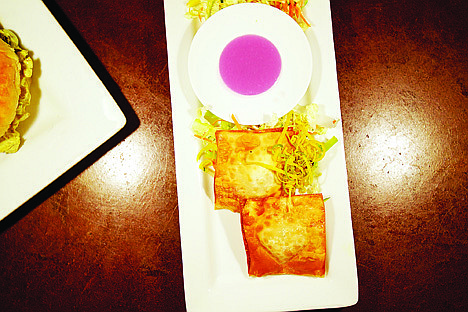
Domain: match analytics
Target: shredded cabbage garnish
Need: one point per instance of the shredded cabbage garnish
(203, 9)
(296, 163)
(204, 128)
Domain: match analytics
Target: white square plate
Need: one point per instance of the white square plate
(214, 261)
(72, 113)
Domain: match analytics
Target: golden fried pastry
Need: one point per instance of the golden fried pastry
(281, 238)
(239, 175)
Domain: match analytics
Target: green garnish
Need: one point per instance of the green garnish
(296, 163)
(203, 9)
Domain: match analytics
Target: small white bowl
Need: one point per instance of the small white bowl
(237, 21)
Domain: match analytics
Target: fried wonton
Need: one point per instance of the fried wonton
(280, 238)
(238, 175)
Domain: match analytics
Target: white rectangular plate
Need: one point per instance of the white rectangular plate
(72, 113)
(214, 260)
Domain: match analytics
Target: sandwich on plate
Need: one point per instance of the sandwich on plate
(15, 77)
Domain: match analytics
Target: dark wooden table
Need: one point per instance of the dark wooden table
(105, 236)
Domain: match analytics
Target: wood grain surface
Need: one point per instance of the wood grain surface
(105, 236)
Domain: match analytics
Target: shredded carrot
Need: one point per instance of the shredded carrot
(288, 138)
(239, 127)
(202, 138)
(217, 121)
(200, 14)
(304, 19)
(298, 11)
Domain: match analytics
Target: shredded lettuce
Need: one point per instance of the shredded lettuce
(203, 9)
(296, 163)
(204, 128)
(11, 140)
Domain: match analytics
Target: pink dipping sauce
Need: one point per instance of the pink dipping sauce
(250, 64)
